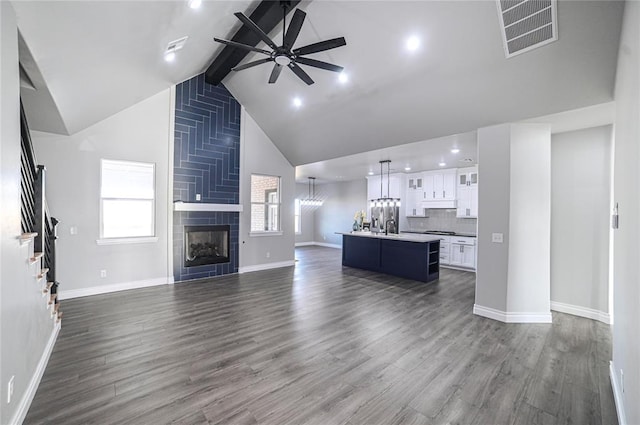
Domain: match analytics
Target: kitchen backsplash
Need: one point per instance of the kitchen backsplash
(443, 219)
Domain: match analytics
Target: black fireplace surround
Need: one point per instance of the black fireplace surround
(206, 245)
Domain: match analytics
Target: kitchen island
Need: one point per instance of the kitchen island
(405, 255)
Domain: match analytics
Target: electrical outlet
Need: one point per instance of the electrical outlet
(73, 230)
(198, 197)
(268, 254)
(103, 274)
(622, 381)
(497, 237)
(10, 389)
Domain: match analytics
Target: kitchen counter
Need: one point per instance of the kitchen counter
(411, 237)
(410, 256)
(422, 232)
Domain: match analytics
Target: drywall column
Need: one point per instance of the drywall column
(513, 280)
(625, 368)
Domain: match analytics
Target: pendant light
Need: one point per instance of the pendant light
(385, 201)
(311, 199)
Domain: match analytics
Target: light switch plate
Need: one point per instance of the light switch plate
(198, 197)
(497, 237)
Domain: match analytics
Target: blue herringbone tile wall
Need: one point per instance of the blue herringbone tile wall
(206, 162)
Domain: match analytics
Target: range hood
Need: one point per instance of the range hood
(450, 204)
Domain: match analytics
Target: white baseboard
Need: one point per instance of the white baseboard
(29, 394)
(511, 317)
(266, 266)
(305, 243)
(576, 310)
(617, 395)
(116, 287)
(328, 245)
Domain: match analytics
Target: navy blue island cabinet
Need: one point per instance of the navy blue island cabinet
(403, 257)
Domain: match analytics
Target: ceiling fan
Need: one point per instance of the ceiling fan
(286, 55)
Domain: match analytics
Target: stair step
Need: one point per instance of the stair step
(59, 316)
(36, 257)
(43, 272)
(52, 298)
(28, 236)
(47, 288)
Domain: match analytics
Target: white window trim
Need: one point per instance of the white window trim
(299, 215)
(134, 239)
(261, 233)
(123, 241)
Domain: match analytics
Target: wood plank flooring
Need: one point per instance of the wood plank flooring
(319, 344)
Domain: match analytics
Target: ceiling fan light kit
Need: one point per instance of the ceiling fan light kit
(286, 55)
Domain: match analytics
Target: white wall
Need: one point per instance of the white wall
(513, 277)
(341, 201)
(580, 193)
(307, 219)
(139, 133)
(626, 267)
(260, 156)
(530, 220)
(25, 323)
(493, 216)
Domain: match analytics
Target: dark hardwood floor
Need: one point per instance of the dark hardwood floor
(319, 344)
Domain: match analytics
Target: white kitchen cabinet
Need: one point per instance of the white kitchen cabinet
(392, 189)
(463, 252)
(467, 193)
(440, 185)
(412, 200)
(445, 250)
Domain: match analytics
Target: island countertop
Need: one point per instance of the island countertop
(409, 237)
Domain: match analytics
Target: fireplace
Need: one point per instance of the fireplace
(206, 245)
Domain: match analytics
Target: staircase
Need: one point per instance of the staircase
(39, 228)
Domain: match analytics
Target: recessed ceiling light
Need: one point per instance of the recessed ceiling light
(343, 77)
(455, 150)
(407, 168)
(370, 173)
(194, 4)
(170, 56)
(297, 102)
(413, 43)
(442, 164)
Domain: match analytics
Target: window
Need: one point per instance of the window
(127, 199)
(265, 203)
(296, 217)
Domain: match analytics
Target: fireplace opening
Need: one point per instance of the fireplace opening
(206, 245)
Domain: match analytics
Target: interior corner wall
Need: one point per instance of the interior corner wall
(626, 267)
(493, 216)
(25, 324)
(341, 201)
(307, 215)
(139, 133)
(258, 155)
(580, 193)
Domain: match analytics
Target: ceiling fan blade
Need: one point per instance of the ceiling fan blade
(300, 73)
(253, 27)
(242, 46)
(294, 28)
(319, 64)
(320, 46)
(275, 73)
(251, 64)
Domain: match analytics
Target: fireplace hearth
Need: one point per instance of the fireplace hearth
(206, 245)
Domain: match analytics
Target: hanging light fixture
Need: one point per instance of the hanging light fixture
(385, 201)
(311, 199)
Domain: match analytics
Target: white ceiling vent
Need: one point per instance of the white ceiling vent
(527, 24)
(176, 45)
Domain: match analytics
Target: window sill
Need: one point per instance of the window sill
(261, 234)
(123, 241)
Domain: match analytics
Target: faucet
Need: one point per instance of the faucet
(386, 226)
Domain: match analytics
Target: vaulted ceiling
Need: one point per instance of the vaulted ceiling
(97, 58)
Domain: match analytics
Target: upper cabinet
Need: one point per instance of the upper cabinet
(392, 187)
(414, 192)
(440, 185)
(467, 193)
